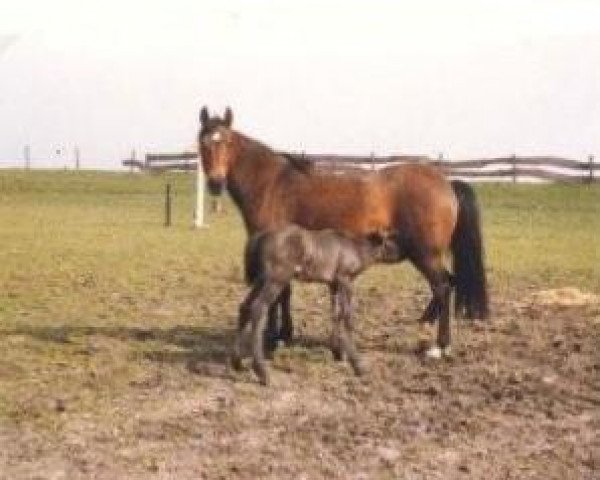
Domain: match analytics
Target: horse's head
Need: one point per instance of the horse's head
(215, 140)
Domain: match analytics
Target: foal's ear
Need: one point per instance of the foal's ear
(228, 119)
(203, 115)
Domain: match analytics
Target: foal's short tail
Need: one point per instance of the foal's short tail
(467, 250)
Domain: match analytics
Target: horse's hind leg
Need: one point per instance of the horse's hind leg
(432, 267)
(432, 312)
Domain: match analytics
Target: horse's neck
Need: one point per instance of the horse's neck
(250, 181)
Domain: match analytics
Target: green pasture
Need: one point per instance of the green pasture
(94, 288)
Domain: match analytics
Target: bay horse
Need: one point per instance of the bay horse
(430, 216)
(275, 258)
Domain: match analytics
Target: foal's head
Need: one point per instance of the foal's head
(215, 140)
(382, 246)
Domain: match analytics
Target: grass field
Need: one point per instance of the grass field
(114, 333)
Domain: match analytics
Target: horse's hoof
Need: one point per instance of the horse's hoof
(287, 338)
(434, 353)
(269, 349)
(437, 353)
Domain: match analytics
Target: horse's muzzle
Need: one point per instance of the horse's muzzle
(215, 185)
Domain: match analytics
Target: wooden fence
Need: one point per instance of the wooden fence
(512, 168)
(159, 162)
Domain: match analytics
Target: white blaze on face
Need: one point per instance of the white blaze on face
(216, 137)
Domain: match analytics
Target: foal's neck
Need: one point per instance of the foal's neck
(366, 252)
(250, 181)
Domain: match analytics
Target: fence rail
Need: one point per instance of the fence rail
(547, 168)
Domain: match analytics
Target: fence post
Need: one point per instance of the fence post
(199, 213)
(168, 205)
(77, 154)
(27, 156)
(514, 168)
(133, 158)
(591, 162)
(372, 161)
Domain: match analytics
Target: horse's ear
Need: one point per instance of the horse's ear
(228, 119)
(203, 115)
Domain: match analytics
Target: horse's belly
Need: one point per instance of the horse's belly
(356, 217)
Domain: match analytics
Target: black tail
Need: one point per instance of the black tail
(467, 250)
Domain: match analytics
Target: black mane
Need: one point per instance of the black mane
(298, 162)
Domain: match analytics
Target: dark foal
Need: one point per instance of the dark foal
(323, 256)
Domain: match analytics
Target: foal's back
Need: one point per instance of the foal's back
(312, 256)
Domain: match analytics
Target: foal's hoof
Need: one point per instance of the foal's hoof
(261, 372)
(436, 352)
(359, 369)
(338, 355)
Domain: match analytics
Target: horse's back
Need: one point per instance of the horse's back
(352, 203)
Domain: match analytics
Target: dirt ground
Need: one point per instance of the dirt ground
(520, 399)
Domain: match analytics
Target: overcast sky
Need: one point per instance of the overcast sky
(466, 78)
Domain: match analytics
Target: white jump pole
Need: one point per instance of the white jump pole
(199, 214)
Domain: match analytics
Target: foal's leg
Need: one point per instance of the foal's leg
(287, 326)
(345, 294)
(432, 267)
(265, 297)
(271, 333)
(336, 316)
(243, 319)
(279, 328)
